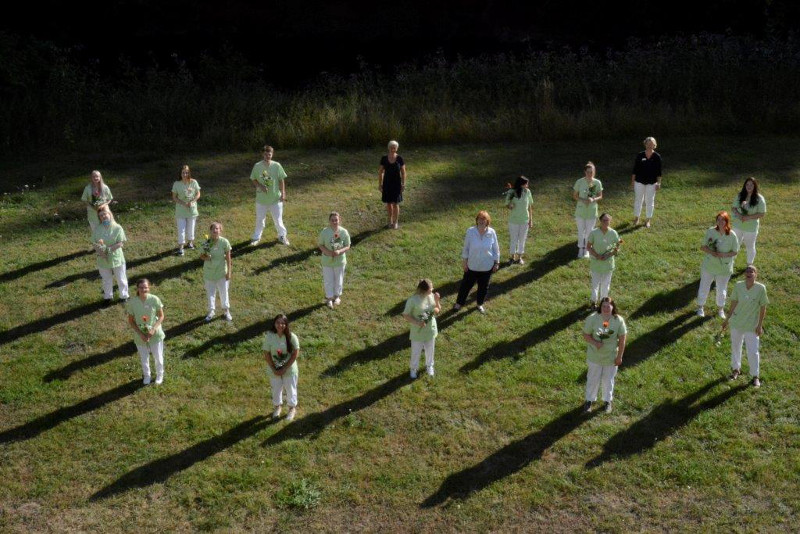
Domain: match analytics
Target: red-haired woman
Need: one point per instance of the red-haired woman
(481, 257)
(720, 246)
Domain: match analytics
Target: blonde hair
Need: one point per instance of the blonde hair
(653, 139)
(485, 215)
(100, 175)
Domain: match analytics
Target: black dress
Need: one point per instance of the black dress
(392, 184)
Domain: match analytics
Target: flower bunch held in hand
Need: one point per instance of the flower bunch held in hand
(100, 247)
(604, 332)
(612, 251)
(206, 245)
(280, 359)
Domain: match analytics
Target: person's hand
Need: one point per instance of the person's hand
(466, 267)
(725, 324)
(598, 344)
(530, 223)
(403, 187)
(759, 330)
(633, 182)
(658, 186)
(494, 267)
(205, 257)
(283, 198)
(228, 276)
(436, 297)
(380, 188)
(618, 361)
(144, 338)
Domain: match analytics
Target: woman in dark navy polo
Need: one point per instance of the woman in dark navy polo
(646, 180)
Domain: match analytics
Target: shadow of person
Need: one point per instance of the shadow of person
(40, 325)
(39, 266)
(130, 264)
(53, 419)
(663, 421)
(508, 460)
(162, 469)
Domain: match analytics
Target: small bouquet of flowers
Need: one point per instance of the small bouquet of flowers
(280, 359)
(189, 192)
(508, 194)
(592, 191)
(743, 207)
(604, 332)
(713, 247)
(613, 250)
(144, 324)
(425, 317)
(206, 245)
(97, 200)
(266, 180)
(336, 241)
(100, 247)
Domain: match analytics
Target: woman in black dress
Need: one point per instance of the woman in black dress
(391, 182)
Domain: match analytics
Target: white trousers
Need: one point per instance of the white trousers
(585, 227)
(214, 286)
(721, 281)
(185, 229)
(518, 233)
(752, 342)
(156, 348)
(332, 281)
(280, 383)
(601, 283)
(276, 210)
(749, 241)
(646, 193)
(598, 375)
(93, 225)
(416, 351)
(108, 276)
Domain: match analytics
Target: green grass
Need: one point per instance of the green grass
(493, 442)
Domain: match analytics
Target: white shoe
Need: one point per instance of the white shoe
(228, 316)
(413, 373)
(254, 242)
(585, 253)
(430, 371)
(276, 412)
(721, 313)
(700, 312)
(159, 380)
(209, 317)
(337, 301)
(283, 240)
(330, 304)
(456, 306)
(291, 414)
(146, 381)
(482, 309)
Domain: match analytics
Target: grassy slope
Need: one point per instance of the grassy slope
(83, 447)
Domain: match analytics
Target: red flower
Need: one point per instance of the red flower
(145, 318)
(605, 324)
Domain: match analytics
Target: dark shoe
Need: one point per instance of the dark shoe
(587, 407)
(190, 245)
(607, 407)
(179, 252)
(108, 302)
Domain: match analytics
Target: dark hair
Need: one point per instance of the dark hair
(287, 332)
(603, 215)
(743, 192)
(268, 148)
(610, 301)
(139, 282)
(424, 285)
(518, 185)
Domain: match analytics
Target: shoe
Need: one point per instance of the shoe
(228, 316)
(413, 374)
(190, 245)
(647, 224)
(124, 300)
(587, 406)
(721, 313)
(430, 371)
(521, 261)
(756, 383)
(700, 312)
(734, 374)
(291, 414)
(276, 412)
(209, 317)
(482, 309)
(585, 253)
(254, 242)
(283, 240)
(179, 252)
(159, 380)
(607, 407)
(580, 252)
(395, 226)
(636, 221)
(456, 306)
(330, 304)
(146, 381)
(337, 301)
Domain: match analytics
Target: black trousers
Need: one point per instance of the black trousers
(470, 277)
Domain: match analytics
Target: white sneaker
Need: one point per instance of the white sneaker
(276, 412)
(228, 316)
(482, 309)
(337, 301)
(254, 242)
(291, 414)
(330, 304)
(721, 313)
(413, 373)
(585, 253)
(700, 312)
(430, 371)
(146, 381)
(283, 240)
(209, 317)
(159, 380)
(456, 306)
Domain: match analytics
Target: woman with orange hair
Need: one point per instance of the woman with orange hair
(481, 256)
(720, 246)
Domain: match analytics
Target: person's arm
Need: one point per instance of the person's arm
(289, 362)
(229, 261)
(197, 193)
(403, 177)
(592, 341)
(465, 252)
(530, 215)
(658, 173)
(324, 250)
(595, 199)
(752, 217)
(411, 319)
(381, 171)
(438, 307)
(270, 362)
(730, 313)
(708, 251)
(283, 190)
(591, 250)
(259, 186)
(575, 195)
(760, 326)
(132, 322)
(159, 321)
(341, 251)
(620, 349)
(495, 253)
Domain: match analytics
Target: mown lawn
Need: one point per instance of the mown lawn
(493, 442)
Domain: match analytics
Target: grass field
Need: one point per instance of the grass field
(494, 442)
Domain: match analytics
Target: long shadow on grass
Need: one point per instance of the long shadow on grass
(313, 424)
(508, 460)
(32, 268)
(303, 255)
(663, 421)
(518, 346)
(51, 420)
(668, 301)
(40, 325)
(125, 349)
(389, 346)
(246, 333)
(88, 275)
(160, 470)
(535, 270)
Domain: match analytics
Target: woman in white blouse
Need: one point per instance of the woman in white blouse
(481, 255)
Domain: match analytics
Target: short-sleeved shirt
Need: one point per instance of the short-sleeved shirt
(748, 305)
(110, 235)
(609, 334)
(185, 192)
(88, 196)
(602, 243)
(334, 241)
(421, 307)
(271, 178)
(145, 314)
(721, 243)
(647, 170)
(480, 251)
(753, 224)
(217, 267)
(276, 345)
(519, 206)
(584, 190)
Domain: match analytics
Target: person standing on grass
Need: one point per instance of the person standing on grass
(217, 269)
(107, 240)
(268, 177)
(720, 246)
(481, 259)
(605, 334)
(646, 180)
(603, 245)
(748, 209)
(96, 196)
(281, 349)
(392, 182)
(586, 192)
(746, 315)
(520, 202)
(185, 193)
(145, 316)
(420, 310)
(334, 242)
